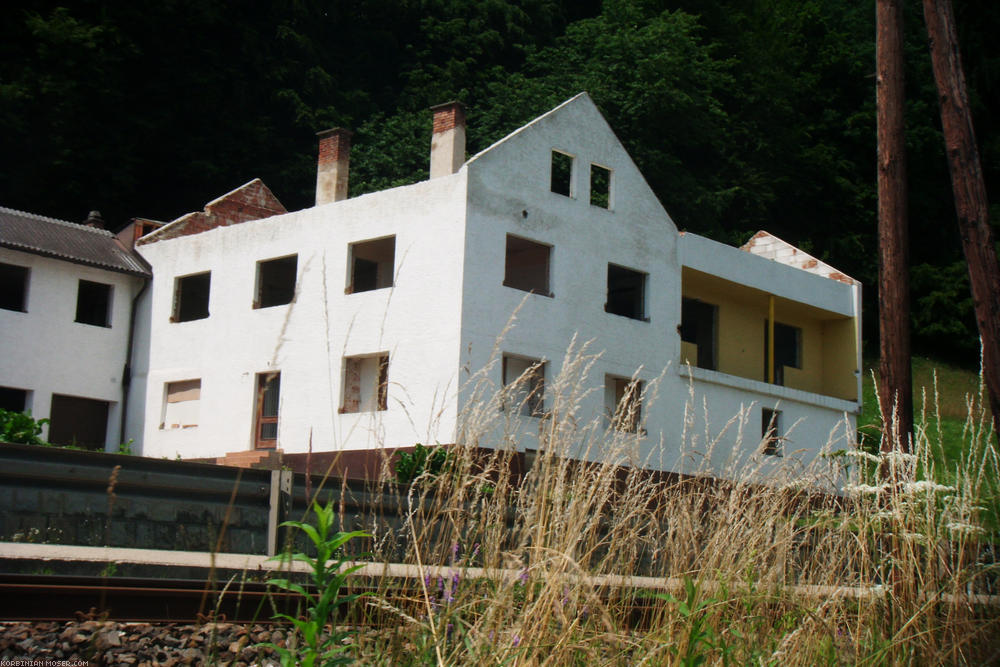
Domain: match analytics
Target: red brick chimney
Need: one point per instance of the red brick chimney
(333, 165)
(448, 139)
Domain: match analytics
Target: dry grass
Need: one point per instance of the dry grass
(804, 570)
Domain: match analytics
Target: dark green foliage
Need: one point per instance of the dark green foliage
(422, 460)
(744, 115)
(21, 428)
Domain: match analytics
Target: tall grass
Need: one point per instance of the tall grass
(857, 558)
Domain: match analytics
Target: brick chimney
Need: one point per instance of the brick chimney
(448, 139)
(333, 165)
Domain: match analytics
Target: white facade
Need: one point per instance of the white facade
(564, 250)
(49, 354)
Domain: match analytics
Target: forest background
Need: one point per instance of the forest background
(742, 114)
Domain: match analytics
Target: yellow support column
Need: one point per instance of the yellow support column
(770, 338)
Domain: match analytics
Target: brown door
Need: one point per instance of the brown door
(268, 395)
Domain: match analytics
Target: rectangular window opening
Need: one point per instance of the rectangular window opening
(526, 265)
(623, 403)
(276, 281)
(14, 287)
(191, 297)
(181, 404)
(524, 385)
(600, 186)
(268, 400)
(366, 383)
(699, 327)
(93, 304)
(13, 400)
(371, 264)
(787, 350)
(562, 174)
(626, 292)
(770, 427)
(82, 422)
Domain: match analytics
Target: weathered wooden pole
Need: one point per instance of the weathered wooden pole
(895, 383)
(969, 190)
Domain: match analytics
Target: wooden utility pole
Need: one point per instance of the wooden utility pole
(895, 383)
(970, 191)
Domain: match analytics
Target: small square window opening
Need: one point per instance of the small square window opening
(623, 403)
(366, 383)
(181, 404)
(600, 186)
(191, 297)
(770, 426)
(78, 421)
(276, 281)
(93, 304)
(13, 400)
(14, 287)
(562, 174)
(526, 265)
(626, 292)
(371, 264)
(524, 385)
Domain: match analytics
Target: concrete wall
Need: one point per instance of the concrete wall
(416, 321)
(46, 352)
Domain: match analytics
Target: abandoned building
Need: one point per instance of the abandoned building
(357, 323)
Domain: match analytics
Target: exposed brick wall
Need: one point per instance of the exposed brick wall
(352, 385)
(448, 116)
(334, 146)
(253, 201)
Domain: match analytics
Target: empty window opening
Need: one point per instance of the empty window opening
(787, 350)
(181, 404)
(13, 287)
(276, 282)
(13, 400)
(191, 297)
(600, 186)
(626, 292)
(770, 427)
(82, 422)
(524, 386)
(366, 383)
(268, 398)
(562, 173)
(372, 264)
(623, 403)
(699, 322)
(93, 304)
(526, 266)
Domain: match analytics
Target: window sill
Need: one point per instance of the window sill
(91, 324)
(531, 291)
(628, 317)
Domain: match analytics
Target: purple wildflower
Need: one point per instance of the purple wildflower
(517, 640)
(523, 577)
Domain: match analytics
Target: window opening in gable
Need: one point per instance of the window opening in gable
(13, 287)
(562, 174)
(181, 404)
(93, 304)
(268, 400)
(787, 350)
(82, 422)
(699, 327)
(366, 383)
(770, 426)
(600, 186)
(524, 385)
(526, 265)
(626, 292)
(191, 297)
(13, 400)
(371, 264)
(623, 403)
(276, 281)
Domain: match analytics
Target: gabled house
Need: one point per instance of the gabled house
(355, 323)
(67, 294)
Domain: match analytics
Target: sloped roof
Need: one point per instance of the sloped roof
(75, 243)
(250, 201)
(769, 246)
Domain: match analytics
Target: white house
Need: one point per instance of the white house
(66, 312)
(356, 323)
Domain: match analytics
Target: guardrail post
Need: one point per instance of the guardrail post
(280, 508)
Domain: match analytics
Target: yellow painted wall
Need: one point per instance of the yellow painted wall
(840, 359)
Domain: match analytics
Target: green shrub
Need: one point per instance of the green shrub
(21, 428)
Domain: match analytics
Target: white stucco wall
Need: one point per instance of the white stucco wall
(46, 352)
(416, 322)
